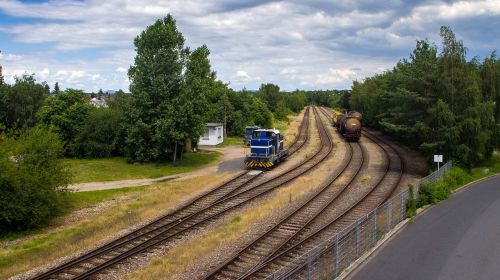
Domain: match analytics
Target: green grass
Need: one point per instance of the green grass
(110, 169)
(455, 178)
(493, 164)
(73, 201)
(232, 140)
(281, 125)
(78, 200)
(141, 203)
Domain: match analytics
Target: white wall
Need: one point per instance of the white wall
(213, 136)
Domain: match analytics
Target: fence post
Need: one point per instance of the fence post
(403, 206)
(375, 226)
(389, 214)
(337, 261)
(357, 239)
(309, 266)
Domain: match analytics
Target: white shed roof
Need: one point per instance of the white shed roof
(214, 124)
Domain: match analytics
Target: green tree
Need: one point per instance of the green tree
(270, 94)
(154, 126)
(21, 102)
(56, 88)
(199, 80)
(262, 116)
(47, 89)
(438, 103)
(282, 110)
(98, 136)
(67, 112)
(31, 175)
(1, 74)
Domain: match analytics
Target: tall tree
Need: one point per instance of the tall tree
(154, 126)
(56, 88)
(199, 79)
(47, 89)
(270, 94)
(67, 112)
(1, 74)
(22, 101)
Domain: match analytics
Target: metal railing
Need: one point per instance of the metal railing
(331, 257)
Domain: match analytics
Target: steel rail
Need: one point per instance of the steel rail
(291, 251)
(116, 244)
(237, 201)
(285, 225)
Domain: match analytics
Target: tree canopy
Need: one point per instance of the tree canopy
(438, 102)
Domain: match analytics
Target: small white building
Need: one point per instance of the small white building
(97, 102)
(214, 134)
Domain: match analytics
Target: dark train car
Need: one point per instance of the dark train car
(266, 149)
(349, 126)
(351, 129)
(248, 134)
(356, 115)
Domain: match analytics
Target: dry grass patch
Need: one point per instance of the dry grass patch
(292, 130)
(140, 206)
(185, 256)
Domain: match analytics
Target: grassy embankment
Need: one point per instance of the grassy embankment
(76, 231)
(110, 169)
(452, 180)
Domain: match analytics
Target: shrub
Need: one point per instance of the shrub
(98, 136)
(30, 177)
(441, 189)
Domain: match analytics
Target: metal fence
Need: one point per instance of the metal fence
(330, 258)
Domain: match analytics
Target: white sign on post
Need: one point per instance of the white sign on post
(438, 159)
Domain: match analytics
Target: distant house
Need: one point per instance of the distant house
(98, 102)
(214, 134)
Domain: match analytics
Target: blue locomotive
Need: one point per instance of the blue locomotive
(266, 149)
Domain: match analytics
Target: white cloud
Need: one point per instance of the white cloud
(121, 70)
(242, 74)
(315, 44)
(439, 11)
(336, 76)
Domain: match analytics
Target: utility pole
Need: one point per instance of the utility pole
(225, 113)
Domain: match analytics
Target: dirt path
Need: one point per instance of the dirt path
(231, 161)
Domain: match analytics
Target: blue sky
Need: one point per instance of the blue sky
(319, 44)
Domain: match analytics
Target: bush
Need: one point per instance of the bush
(441, 189)
(99, 135)
(30, 177)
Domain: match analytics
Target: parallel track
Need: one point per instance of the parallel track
(376, 196)
(273, 240)
(194, 215)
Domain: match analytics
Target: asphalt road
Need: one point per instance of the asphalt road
(459, 239)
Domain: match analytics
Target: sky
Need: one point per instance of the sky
(317, 44)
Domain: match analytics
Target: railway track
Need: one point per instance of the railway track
(182, 221)
(296, 248)
(273, 240)
(303, 136)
